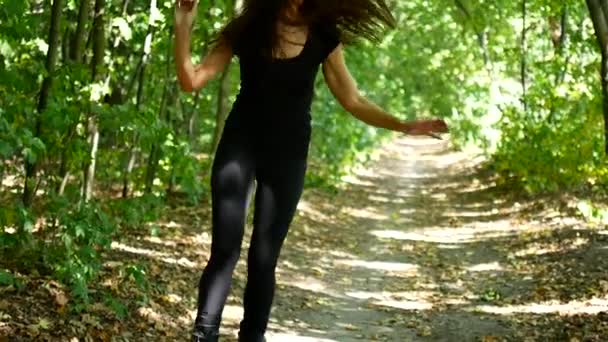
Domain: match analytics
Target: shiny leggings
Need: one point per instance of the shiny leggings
(279, 187)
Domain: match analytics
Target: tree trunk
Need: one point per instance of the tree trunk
(76, 54)
(80, 36)
(156, 151)
(193, 122)
(89, 183)
(98, 38)
(132, 157)
(563, 45)
(31, 169)
(151, 168)
(65, 45)
(171, 182)
(598, 10)
(93, 129)
(482, 37)
(524, 55)
(558, 28)
(2, 168)
(63, 168)
(115, 46)
(131, 154)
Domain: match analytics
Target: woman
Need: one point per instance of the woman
(280, 45)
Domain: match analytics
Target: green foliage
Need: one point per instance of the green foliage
(460, 60)
(7, 278)
(549, 155)
(592, 212)
(82, 233)
(137, 273)
(117, 306)
(134, 212)
(558, 141)
(490, 295)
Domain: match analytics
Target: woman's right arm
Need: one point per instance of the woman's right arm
(194, 77)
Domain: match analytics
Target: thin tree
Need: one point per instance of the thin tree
(598, 10)
(98, 35)
(76, 56)
(31, 167)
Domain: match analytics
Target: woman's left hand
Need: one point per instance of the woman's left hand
(426, 127)
(185, 11)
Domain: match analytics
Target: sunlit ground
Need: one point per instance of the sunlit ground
(364, 294)
(416, 247)
(591, 307)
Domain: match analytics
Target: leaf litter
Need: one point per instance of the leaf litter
(431, 253)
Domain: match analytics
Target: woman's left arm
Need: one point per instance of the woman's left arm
(344, 88)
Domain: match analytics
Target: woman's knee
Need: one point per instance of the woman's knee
(225, 256)
(263, 259)
(231, 178)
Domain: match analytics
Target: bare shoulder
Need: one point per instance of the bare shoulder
(335, 59)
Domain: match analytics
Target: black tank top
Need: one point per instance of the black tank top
(273, 106)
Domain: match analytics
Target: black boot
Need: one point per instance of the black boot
(245, 337)
(206, 328)
(205, 336)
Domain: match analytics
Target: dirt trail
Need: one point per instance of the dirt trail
(417, 247)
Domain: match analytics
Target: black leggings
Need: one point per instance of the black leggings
(279, 187)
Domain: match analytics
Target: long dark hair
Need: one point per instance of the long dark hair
(254, 28)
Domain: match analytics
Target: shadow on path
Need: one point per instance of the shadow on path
(419, 246)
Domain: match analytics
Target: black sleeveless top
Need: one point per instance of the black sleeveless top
(273, 106)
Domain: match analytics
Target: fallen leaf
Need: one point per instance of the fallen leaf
(424, 331)
(351, 327)
(61, 299)
(4, 304)
(490, 339)
(44, 324)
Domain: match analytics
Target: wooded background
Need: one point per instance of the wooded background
(96, 137)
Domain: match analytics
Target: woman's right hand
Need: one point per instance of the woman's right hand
(185, 11)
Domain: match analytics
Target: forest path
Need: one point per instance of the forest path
(417, 246)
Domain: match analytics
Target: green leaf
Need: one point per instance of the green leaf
(491, 295)
(6, 149)
(30, 155)
(6, 278)
(5, 49)
(123, 27)
(585, 208)
(119, 308)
